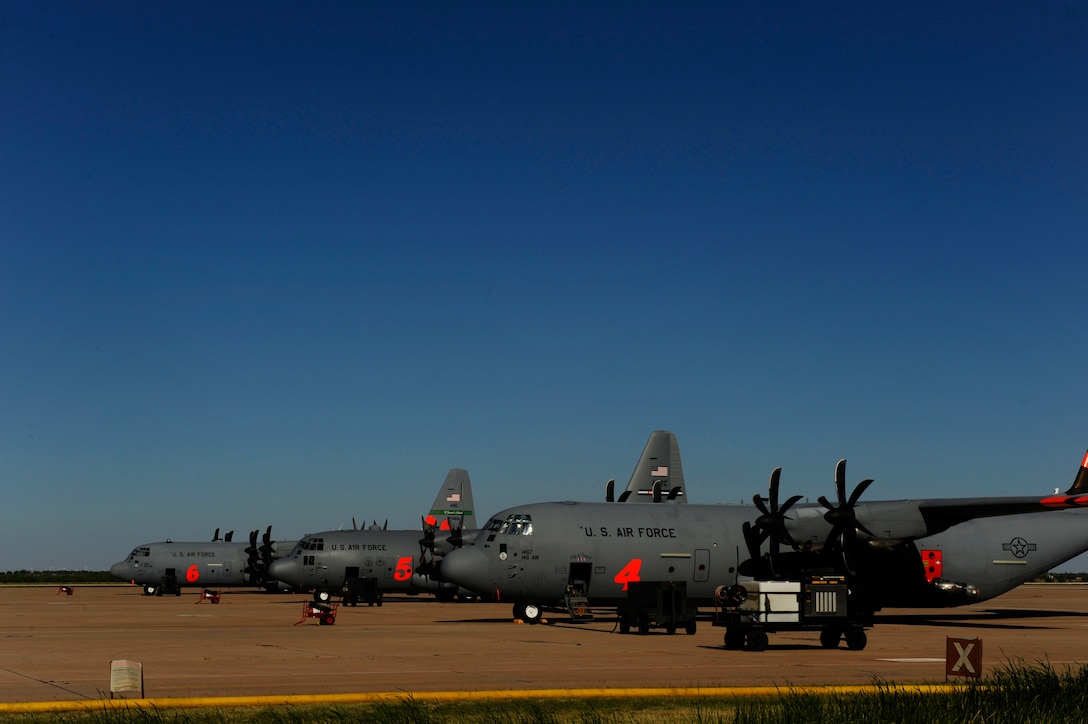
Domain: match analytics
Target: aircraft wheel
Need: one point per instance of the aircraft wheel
(531, 613)
(670, 629)
(690, 627)
(734, 639)
(519, 611)
(856, 639)
(757, 640)
(149, 590)
(625, 624)
(829, 638)
(322, 596)
(643, 624)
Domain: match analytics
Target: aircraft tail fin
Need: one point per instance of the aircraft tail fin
(454, 501)
(659, 468)
(1080, 483)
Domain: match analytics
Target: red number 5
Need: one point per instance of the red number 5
(404, 569)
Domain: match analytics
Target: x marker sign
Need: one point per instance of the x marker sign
(963, 657)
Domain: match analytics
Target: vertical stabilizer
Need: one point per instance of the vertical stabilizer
(454, 500)
(660, 468)
(1080, 483)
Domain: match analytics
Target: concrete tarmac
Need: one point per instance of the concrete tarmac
(55, 647)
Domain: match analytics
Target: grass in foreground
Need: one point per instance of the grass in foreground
(1017, 692)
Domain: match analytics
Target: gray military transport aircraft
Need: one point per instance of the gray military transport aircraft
(826, 566)
(365, 564)
(168, 566)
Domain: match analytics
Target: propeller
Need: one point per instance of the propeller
(253, 561)
(456, 538)
(843, 518)
(770, 524)
(426, 543)
(266, 548)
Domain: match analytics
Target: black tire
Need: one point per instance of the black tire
(829, 638)
(856, 639)
(531, 613)
(757, 640)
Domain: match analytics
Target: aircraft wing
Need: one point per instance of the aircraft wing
(940, 515)
(889, 522)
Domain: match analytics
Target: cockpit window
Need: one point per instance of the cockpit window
(515, 524)
(313, 544)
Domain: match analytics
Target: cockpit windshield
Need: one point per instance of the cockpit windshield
(515, 524)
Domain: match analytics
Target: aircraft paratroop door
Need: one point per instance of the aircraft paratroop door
(702, 565)
(578, 580)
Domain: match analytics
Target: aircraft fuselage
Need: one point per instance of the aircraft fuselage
(533, 553)
(209, 564)
(326, 561)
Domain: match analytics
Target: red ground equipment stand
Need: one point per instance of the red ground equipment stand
(66, 590)
(206, 594)
(325, 613)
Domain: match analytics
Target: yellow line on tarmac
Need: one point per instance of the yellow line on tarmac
(91, 705)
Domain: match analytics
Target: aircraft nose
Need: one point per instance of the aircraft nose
(121, 570)
(467, 567)
(284, 569)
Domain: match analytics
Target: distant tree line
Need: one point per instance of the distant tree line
(57, 577)
(1061, 578)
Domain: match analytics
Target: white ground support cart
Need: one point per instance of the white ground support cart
(749, 611)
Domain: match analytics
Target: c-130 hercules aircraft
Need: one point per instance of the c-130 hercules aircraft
(168, 566)
(900, 553)
(369, 563)
(400, 561)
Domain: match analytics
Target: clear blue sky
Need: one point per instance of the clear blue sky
(287, 263)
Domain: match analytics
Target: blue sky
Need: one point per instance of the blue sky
(279, 263)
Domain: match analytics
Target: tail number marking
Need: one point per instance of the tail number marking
(632, 572)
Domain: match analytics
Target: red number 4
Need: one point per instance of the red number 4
(629, 573)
